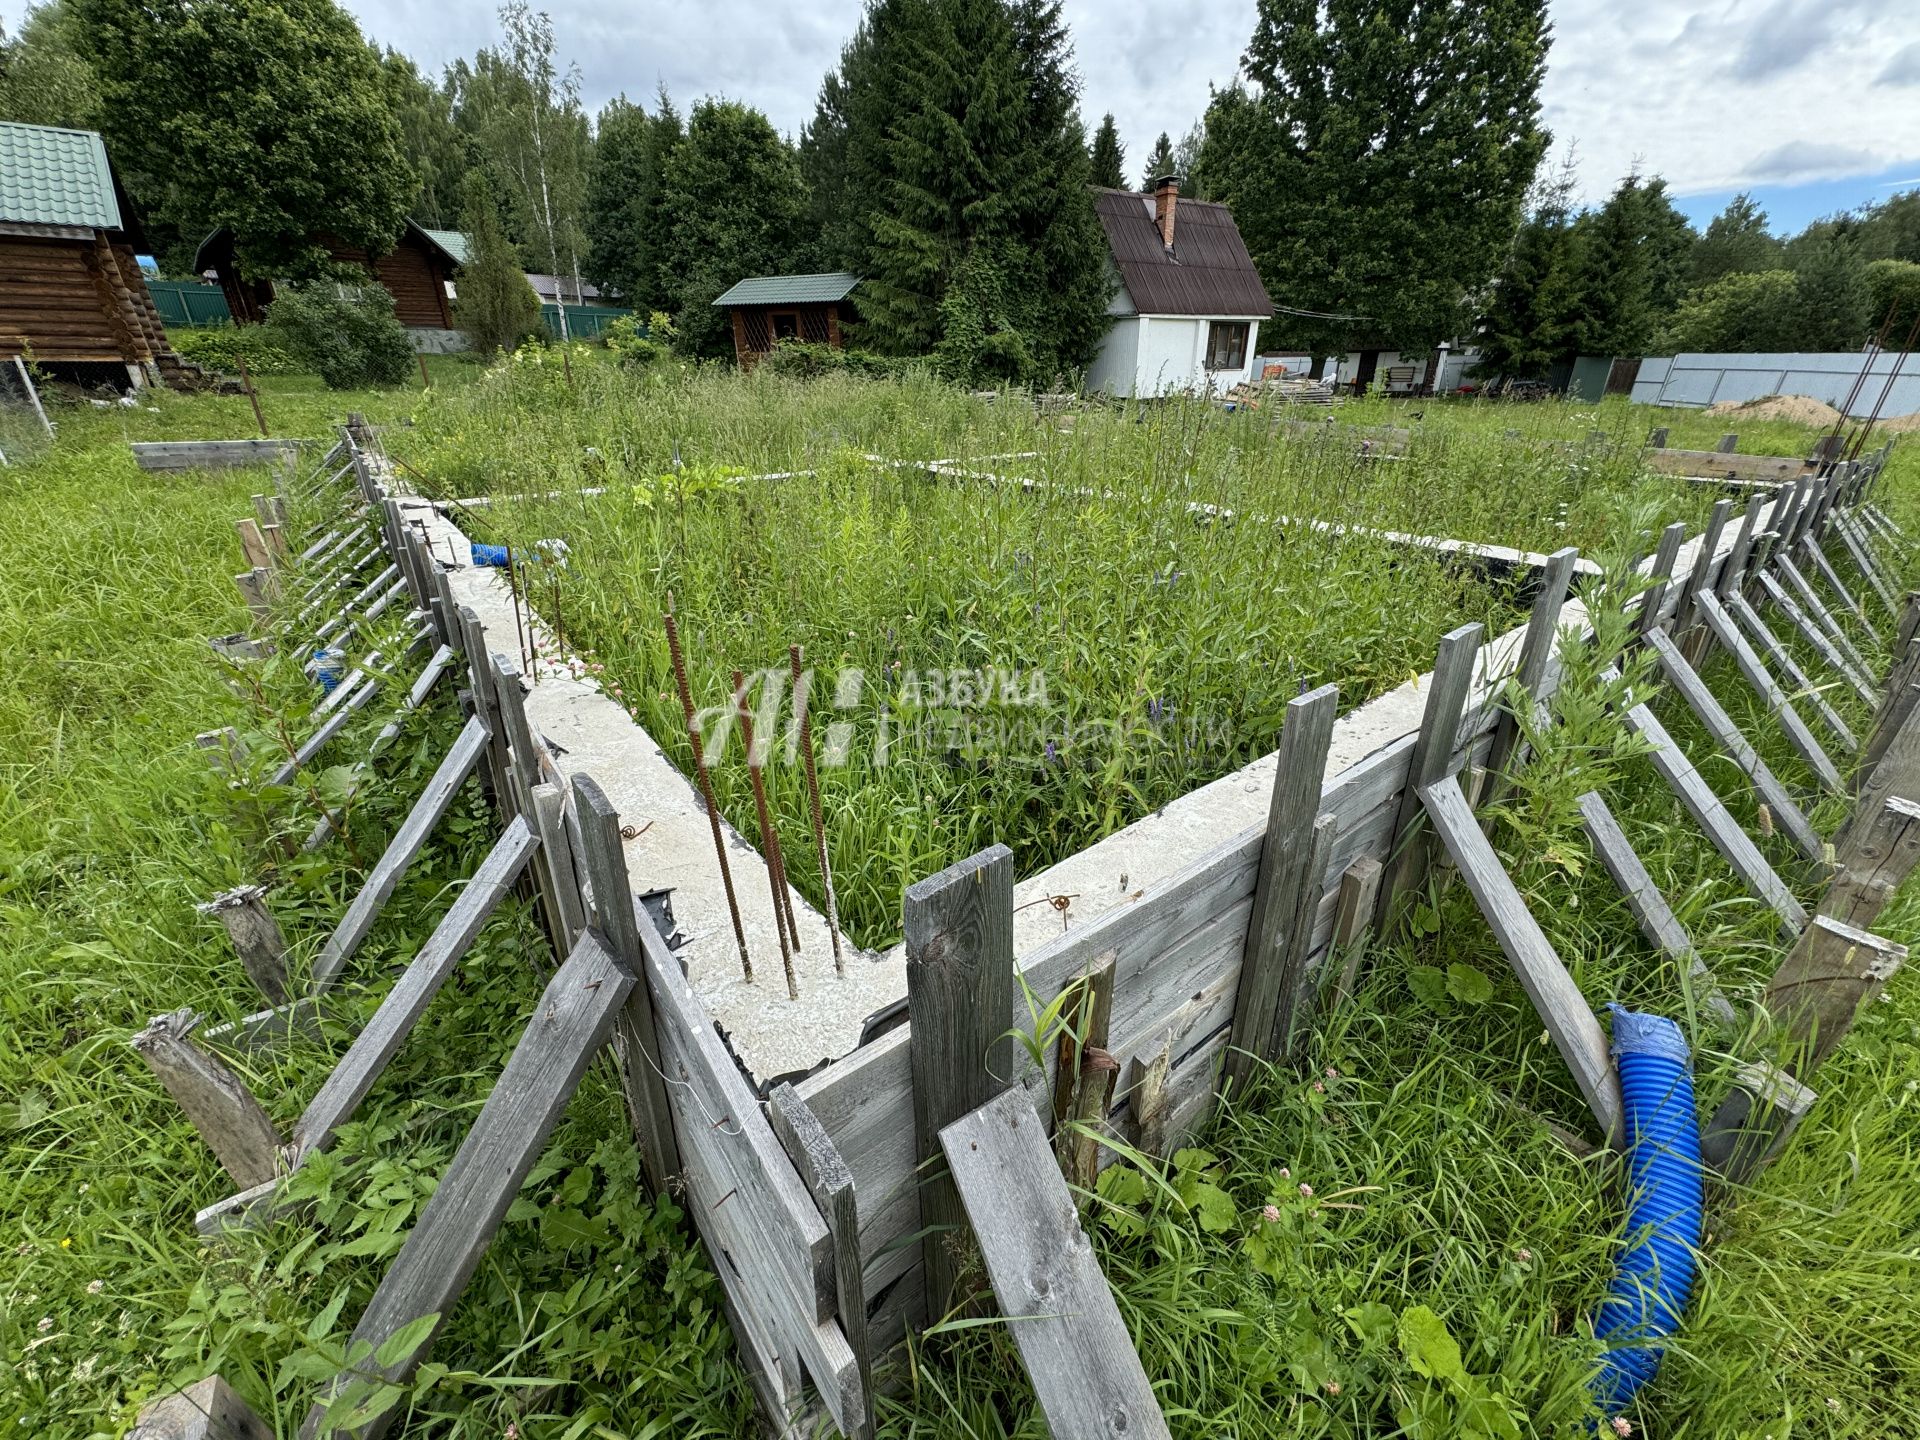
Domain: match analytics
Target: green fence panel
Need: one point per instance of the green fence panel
(584, 322)
(183, 302)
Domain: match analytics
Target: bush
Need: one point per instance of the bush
(346, 333)
(641, 346)
(806, 360)
(220, 348)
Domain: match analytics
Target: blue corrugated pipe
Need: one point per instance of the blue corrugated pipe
(490, 555)
(1665, 1200)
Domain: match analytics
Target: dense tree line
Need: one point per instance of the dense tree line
(1632, 277)
(1381, 160)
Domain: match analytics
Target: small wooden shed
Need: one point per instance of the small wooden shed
(767, 309)
(71, 291)
(418, 271)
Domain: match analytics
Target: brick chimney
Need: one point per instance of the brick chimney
(1166, 198)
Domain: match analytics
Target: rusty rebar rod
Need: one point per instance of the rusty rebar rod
(769, 842)
(705, 782)
(776, 854)
(802, 694)
(1893, 375)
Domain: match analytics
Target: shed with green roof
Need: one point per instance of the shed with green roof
(767, 309)
(71, 292)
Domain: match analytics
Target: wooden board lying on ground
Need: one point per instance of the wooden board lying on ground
(1085, 1372)
(211, 454)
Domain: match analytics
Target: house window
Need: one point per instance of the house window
(1226, 345)
(786, 327)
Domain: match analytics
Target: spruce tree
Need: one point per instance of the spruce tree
(1108, 158)
(1532, 318)
(1735, 242)
(494, 306)
(1636, 250)
(1378, 156)
(625, 224)
(734, 207)
(950, 151)
(1159, 162)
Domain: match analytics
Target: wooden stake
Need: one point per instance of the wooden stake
(802, 704)
(1879, 853)
(769, 840)
(960, 1002)
(220, 1106)
(1270, 973)
(253, 395)
(1083, 1079)
(1819, 989)
(256, 938)
(209, 1410)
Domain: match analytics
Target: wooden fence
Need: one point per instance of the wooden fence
(816, 1200)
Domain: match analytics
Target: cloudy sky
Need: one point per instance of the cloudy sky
(1812, 104)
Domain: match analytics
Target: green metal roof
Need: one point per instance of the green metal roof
(451, 241)
(55, 177)
(791, 289)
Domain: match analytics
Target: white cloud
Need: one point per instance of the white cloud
(1800, 160)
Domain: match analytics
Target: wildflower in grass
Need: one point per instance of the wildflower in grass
(1333, 1072)
(1306, 1190)
(1332, 1387)
(46, 1323)
(1622, 1426)
(94, 1287)
(1318, 1088)
(1285, 1173)
(1523, 1255)
(1270, 1213)
(66, 1242)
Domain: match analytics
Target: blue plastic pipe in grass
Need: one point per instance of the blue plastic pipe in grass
(495, 555)
(1665, 1199)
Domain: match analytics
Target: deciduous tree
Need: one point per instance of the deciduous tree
(271, 117)
(1736, 241)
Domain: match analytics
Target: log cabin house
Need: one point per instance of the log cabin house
(418, 272)
(72, 298)
(767, 309)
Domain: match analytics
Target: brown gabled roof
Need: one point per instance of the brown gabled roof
(1209, 271)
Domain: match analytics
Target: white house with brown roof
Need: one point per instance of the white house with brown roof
(1189, 302)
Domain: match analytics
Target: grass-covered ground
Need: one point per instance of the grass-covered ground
(1437, 1205)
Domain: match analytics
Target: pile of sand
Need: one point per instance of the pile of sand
(1801, 409)
(1900, 424)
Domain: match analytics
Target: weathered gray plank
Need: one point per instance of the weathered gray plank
(1863, 560)
(960, 991)
(1726, 734)
(1759, 632)
(1810, 547)
(830, 1182)
(556, 853)
(343, 1090)
(222, 1109)
(1558, 1001)
(569, 1025)
(256, 937)
(1877, 853)
(1818, 991)
(1702, 570)
(1657, 920)
(1712, 816)
(1817, 638)
(1755, 670)
(1270, 974)
(208, 1410)
(170, 455)
(1660, 574)
(1536, 650)
(1823, 616)
(746, 1196)
(1753, 1123)
(1734, 573)
(1451, 684)
(427, 811)
(637, 1036)
(1075, 1346)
